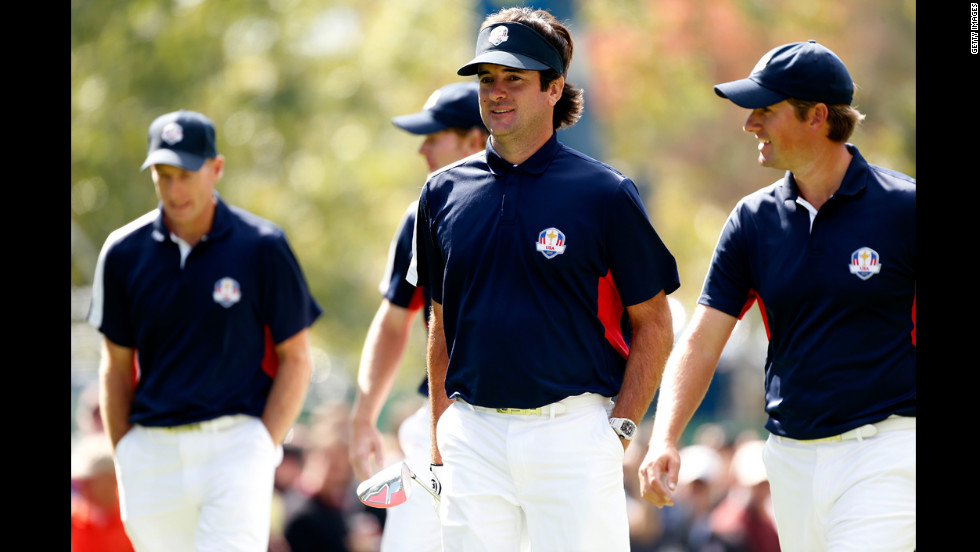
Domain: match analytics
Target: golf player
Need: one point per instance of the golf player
(549, 298)
(452, 128)
(205, 317)
(829, 251)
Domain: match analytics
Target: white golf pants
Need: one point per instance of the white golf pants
(201, 488)
(853, 494)
(558, 477)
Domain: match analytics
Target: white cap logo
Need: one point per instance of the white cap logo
(172, 133)
(498, 35)
(762, 63)
(431, 102)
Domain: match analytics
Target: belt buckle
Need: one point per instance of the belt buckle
(520, 411)
(182, 428)
(832, 439)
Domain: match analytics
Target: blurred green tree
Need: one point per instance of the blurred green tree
(302, 93)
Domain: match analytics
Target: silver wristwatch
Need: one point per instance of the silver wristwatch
(624, 427)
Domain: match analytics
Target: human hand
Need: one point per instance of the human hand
(658, 474)
(366, 445)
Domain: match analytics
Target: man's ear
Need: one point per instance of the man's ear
(555, 90)
(817, 117)
(476, 140)
(218, 166)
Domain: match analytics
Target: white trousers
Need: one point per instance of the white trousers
(847, 495)
(413, 526)
(556, 481)
(201, 489)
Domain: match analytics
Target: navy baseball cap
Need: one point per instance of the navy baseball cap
(802, 70)
(516, 45)
(454, 105)
(182, 138)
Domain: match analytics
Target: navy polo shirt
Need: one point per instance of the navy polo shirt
(838, 299)
(204, 329)
(394, 287)
(532, 265)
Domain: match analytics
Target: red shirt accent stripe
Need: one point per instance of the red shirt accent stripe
(913, 313)
(610, 311)
(270, 360)
(753, 297)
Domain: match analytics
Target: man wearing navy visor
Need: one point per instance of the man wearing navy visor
(550, 324)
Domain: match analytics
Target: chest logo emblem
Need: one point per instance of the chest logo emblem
(226, 292)
(865, 263)
(551, 242)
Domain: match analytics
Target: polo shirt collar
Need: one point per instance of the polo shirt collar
(536, 164)
(854, 178)
(219, 226)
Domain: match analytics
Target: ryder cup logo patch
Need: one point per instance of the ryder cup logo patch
(498, 35)
(172, 133)
(865, 263)
(431, 102)
(762, 63)
(226, 292)
(551, 242)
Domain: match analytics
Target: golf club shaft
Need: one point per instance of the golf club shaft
(426, 487)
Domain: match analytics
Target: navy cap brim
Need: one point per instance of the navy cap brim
(748, 94)
(163, 156)
(500, 57)
(419, 123)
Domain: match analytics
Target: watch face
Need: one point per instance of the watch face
(626, 427)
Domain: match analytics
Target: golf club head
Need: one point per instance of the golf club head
(387, 488)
